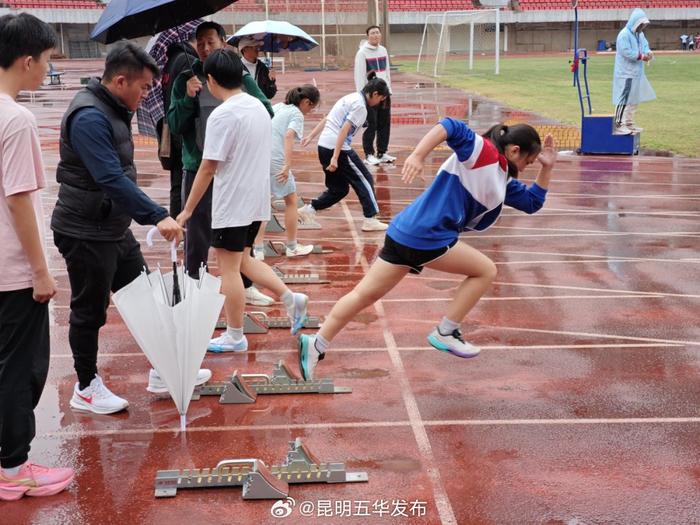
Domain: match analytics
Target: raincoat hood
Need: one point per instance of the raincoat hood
(637, 18)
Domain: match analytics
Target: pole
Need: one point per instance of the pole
(323, 35)
(267, 10)
(439, 47)
(386, 31)
(63, 46)
(505, 38)
(422, 42)
(498, 41)
(471, 45)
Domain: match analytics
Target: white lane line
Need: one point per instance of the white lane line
(442, 501)
(373, 424)
(599, 336)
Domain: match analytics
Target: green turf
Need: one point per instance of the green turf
(544, 85)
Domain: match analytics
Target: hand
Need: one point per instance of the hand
(44, 286)
(183, 217)
(412, 168)
(333, 165)
(283, 175)
(273, 76)
(306, 141)
(170, 229)
(194, 86)
(548, 155)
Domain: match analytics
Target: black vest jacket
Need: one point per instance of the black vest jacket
(83, 210)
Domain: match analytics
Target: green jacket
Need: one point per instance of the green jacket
(183, 111)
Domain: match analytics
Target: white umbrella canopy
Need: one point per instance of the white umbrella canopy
(174, 338)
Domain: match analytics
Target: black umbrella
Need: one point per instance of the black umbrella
(136, 18)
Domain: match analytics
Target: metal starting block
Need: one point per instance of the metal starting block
(261, 323)
(275, 226)
(279, 205)
(258, 480)
(299, 278)
(245, 388)
(278, 249)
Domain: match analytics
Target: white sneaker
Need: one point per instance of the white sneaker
(157, 386)
(453, 344)
(301, 249)
(298, 313)
(387, 159)
(307, 214)
(225, 343)
(259, 254)
(97, 398)
(257, 298)
(622, 130)
(308, 356)
(372, 160)
(373, 225)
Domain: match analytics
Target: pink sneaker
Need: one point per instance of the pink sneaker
(34, 480)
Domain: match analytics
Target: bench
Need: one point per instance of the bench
(54, 76)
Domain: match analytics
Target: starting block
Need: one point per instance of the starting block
(278, 249)
(261, 323)
(257, 479)
(275, 226)
(279, 205)
(299, 278)
(245, 388)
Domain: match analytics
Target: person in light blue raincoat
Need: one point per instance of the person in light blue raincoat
(630, 84)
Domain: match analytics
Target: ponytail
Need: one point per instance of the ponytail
(522, 135)
(296, 95)
(375, 84)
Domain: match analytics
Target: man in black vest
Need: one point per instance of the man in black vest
(97, 199)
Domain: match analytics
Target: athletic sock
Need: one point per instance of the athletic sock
(321, 344)
(235, 333)
(288, 299)
(446, 326)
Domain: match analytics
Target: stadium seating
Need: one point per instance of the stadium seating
(53, 4)
(540, 5)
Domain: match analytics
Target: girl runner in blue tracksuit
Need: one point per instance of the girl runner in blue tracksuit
(468, 193)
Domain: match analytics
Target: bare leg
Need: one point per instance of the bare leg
(380, 279)
(479, 270)
(291, 217)
(260, 237)
(232, 285)
(261, 274)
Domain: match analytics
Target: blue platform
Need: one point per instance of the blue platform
(597, 137)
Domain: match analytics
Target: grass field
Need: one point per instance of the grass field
(544, 85)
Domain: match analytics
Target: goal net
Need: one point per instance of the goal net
(460, 41)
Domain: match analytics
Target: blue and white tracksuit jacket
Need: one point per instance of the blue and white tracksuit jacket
(468, 194)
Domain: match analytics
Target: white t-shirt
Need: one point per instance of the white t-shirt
(287, 116)
(239, 137)
(351, 108)
(252, 67)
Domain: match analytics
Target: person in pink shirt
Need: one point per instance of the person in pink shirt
(26, 286)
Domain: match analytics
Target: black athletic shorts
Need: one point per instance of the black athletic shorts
(235, 239)
(399, 254)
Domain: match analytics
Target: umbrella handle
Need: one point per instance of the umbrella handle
(173, 245)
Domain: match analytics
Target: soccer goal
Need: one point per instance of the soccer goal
(459, 39)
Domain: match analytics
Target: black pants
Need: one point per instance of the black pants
(351, 172)
(622, 103)
(198, 229)
(176, 185)
(24, 364)
(95, 269)
(379, 125)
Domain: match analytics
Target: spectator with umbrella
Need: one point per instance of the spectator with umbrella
(97, 200)
(190, 106)
(173, 51)
(264, 77)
